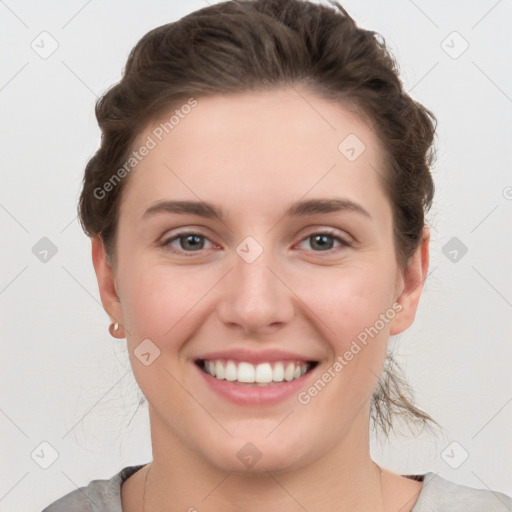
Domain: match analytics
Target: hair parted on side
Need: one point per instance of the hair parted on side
(245, 45)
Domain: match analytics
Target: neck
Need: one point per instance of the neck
(344, 479)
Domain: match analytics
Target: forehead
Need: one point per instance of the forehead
(259, 146)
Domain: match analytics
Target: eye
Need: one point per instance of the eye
(324, 241)
(186, 243)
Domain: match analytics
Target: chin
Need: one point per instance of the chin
(256, 457)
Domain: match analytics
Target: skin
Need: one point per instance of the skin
(253, 154)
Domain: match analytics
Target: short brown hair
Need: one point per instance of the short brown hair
(245, 45)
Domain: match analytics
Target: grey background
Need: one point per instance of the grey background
(67, 384)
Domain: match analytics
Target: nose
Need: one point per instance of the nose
(255, 298)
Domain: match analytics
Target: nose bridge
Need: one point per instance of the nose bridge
(255, 297)
(254, 280)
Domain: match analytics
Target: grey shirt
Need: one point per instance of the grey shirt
(437, 495)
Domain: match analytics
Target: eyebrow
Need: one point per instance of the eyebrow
(300, 208)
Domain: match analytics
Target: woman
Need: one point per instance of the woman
(256, 210)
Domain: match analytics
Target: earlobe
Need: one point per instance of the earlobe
(105, 276)
(413, 278)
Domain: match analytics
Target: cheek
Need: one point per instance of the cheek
(355, 307)
(351, 299)
(355, 310)
(162, 305)
(159, 302)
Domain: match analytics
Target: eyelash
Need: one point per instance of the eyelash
(166, 243)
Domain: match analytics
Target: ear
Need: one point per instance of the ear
(410, 283)
(106, 284)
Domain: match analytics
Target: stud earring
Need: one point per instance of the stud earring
(113, 328)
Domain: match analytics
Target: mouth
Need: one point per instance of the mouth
(263, 374)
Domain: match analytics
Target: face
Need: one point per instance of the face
(290, 269)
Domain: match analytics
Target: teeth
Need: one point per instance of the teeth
(231, 371)
(278, 372)
(288, 373)
(263, 373)
(245, 372)
(219, 370)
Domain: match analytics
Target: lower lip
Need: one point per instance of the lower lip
(245, 394)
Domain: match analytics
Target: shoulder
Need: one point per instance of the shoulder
(104, 495)
(441, 495)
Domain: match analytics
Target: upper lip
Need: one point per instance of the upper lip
(255, 357)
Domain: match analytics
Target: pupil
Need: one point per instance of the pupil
(322, 239)
(195, 242)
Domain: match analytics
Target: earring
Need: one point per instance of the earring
(113, 328)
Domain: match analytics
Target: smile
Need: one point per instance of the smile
(262, 374)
